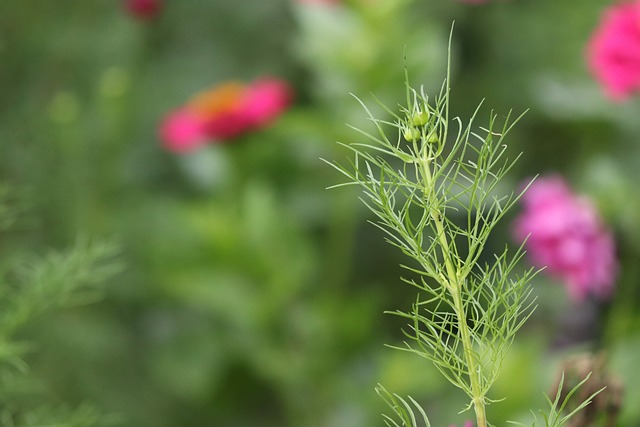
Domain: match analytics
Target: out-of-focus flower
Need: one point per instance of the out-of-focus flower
(221, 109)
(613, 53)
(265, 100)
(225, 112)
(182, 131)
(143, 9)
(565, 234)
(466, 424)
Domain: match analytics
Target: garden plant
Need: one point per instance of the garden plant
(498, 164)
(436, 196)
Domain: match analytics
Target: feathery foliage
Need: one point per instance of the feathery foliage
(31, 287)
(436, 195)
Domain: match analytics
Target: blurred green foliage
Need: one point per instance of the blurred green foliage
(250, 295)
(33, 286)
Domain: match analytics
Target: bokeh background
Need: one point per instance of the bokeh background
(249, 294)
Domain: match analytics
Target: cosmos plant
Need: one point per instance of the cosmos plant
(434, 186)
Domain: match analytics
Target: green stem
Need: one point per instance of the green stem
(454, 285)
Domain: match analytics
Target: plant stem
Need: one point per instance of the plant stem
(454, 286)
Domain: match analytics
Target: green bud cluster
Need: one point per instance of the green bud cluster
(415, 121)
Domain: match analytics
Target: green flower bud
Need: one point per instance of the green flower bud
(433, 138)
(411, 134)
(420, 118)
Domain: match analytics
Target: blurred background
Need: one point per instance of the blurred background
(249, 294)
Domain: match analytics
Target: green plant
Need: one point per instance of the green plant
(31, 287)
(436, 195)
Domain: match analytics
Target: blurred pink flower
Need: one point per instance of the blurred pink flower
(265, 100)
(565, 234)
(221, 108)
(143, 9)
(182, 131)
(225, 112)
(613, 53)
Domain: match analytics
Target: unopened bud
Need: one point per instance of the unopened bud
(411, 134)
(420, 118)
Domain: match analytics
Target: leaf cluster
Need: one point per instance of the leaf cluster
(36, 284)
(559, 412)
(436, 197)
(403, 410)
(31, 286)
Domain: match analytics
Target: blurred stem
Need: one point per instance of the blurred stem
(341, 240)
(621, 320)
(454, 283)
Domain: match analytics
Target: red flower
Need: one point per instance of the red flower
(143, 9)
(613, 52)
(225, 112)
(565, 234)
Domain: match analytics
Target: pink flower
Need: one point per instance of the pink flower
(182, 131)
(565, 235)
(225, 112)
(613, 53)
(265, 100)
(143, 9)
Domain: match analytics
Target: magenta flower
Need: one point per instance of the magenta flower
(225, 112)
(613, 53)
(182, 131)
(565, 235)
(143, 9)
(265, 100)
